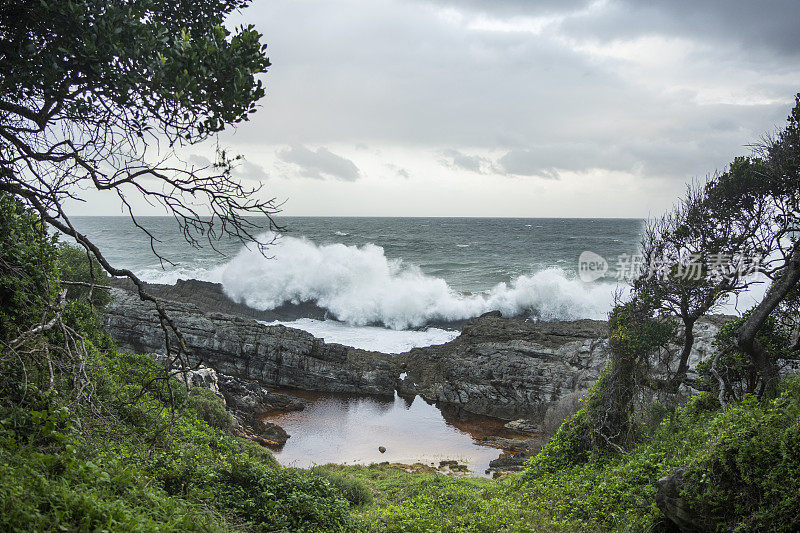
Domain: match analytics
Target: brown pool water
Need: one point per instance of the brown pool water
(346, 429)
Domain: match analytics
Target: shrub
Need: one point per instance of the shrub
(74, 265)
(210, 408)
(27, 268)
(284, 499)
(351, 489)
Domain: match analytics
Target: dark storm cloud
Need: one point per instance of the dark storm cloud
(319, 163)
(516, 7)
(751, 26)
(771, 24)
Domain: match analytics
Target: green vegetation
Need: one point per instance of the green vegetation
(743, 474)
(95, 440)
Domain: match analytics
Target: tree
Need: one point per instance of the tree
(107, 94)
(702, 252)
(780, 182)
(745, 220)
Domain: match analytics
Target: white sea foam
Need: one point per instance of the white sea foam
(170, 276)
(359, 285)
(370, 337)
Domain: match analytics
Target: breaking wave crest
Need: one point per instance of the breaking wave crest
(360, 285)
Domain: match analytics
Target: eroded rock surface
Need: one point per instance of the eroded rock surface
(508, 368)
(675, 507)
(272, 355)
(505, 368)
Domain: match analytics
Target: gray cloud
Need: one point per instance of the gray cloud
(516, 7)
(247, 170)
(747, 25)
(401, 73)
(199, 161)
(768, 25)
(459, 160)
(319, 163)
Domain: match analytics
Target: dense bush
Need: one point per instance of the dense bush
(748, 477)
(210, 408)
(75, 266)
(351, 489)
(95, 440)
(277, 500)
(744, 469)
(27, 268)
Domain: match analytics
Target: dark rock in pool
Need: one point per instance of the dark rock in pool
(265, 433)
(509, 462)
(524, 426)
(253, 398)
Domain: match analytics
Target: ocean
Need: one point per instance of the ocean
(384, 280)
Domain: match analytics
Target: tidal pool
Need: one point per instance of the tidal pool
(345, 429)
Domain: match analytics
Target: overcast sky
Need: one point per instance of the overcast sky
(510, 107)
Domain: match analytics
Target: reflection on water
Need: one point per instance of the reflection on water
(348, 430)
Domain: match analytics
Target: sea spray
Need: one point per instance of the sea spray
(360, 285)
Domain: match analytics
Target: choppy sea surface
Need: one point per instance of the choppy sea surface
(383, 280)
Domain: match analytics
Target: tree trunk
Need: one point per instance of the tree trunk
(686, 351)
(746, 339)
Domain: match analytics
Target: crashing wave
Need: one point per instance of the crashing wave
(361, 286)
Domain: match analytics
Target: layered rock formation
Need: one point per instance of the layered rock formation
(272, 355)
(505, 368)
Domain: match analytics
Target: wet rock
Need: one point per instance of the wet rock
(453, 468)
(209, 297)
(531, 446)
(522, 425)
(508, 368)
(253, 398)
(509, 462)
(274, 356)
(265, 433)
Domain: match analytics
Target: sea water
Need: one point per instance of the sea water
(383, 281)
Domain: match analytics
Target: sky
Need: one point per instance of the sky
(508, 107)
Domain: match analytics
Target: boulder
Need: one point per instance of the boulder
(675, 507)
(522, 425)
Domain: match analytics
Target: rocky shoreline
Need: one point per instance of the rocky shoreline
(506, 368)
